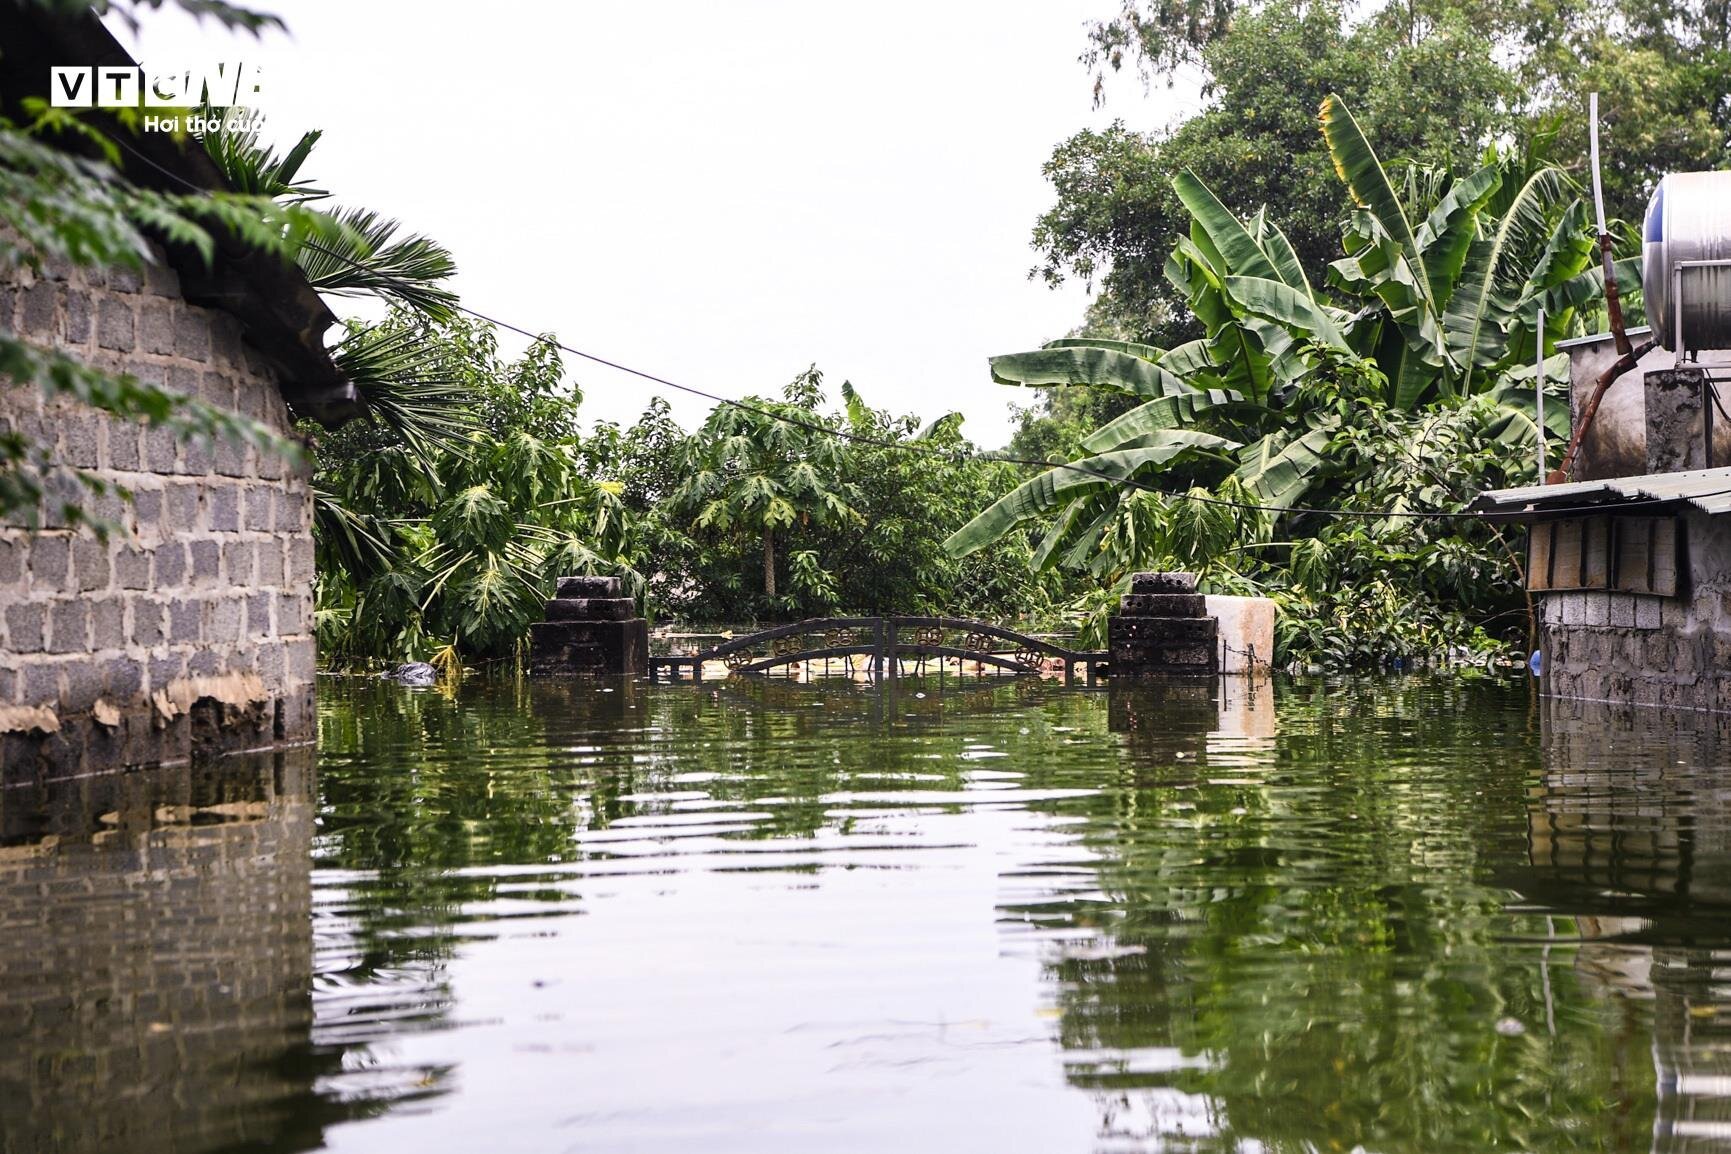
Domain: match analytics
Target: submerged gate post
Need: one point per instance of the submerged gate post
(1162, 628)
(591, 630)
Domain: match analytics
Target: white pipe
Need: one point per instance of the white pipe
(1539, 389)
(1593, 138)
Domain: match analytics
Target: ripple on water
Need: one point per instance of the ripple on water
(1391, 916)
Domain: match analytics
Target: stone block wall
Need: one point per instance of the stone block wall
(156, 958)
(1162, 628)
(1635, 650)
(592, 630)
(190, 627)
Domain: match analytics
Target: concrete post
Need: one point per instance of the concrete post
(591, 631)
(1163, 629)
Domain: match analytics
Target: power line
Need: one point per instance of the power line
(882, 443)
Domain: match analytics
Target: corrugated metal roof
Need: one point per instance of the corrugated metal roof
(1599, 338)
(1706, 489)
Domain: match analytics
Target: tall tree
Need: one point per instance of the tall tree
(1432, 81)
(766, 468)
(1400, 376)
(1435, 102)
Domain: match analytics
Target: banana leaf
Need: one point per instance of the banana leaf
(1242, 255)
(1156, 416)
(1083, 365)
(1516, 418)
(1355, 160)
(1234, 348)
(1588, 287)
(1279, 468)
(1187, 359)
(1134, 348)
(1476, 321)
(1284, 305)
(1451, 228)
(1285, 259)
(1064, 483)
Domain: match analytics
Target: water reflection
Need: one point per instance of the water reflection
(1296, 945)
(155, 958)
(1630, 862)
(946, 914)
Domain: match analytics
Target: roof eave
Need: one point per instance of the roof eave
(282, 316)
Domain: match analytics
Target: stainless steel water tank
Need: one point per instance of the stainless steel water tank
(1688, 220)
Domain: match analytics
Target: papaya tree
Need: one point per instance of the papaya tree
(765, 466)
(447, 547)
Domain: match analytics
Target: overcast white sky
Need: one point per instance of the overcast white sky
(718, 193)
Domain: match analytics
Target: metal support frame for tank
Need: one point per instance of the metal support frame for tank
(1710, 404)
(1677, 296)
(1709, 394)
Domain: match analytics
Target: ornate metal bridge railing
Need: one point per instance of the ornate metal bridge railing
(885, 643)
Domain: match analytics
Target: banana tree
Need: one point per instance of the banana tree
(1413, 315)
(1452, 300)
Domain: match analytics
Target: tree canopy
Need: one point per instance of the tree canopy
(1432, 83)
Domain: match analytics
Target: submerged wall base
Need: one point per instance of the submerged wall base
(1628, 649)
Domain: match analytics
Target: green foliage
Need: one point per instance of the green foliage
(59, 210)
(855, 524)
(764, 469)
(1405, 383)
(445, 514)
(1434, 99)
(1432, 82)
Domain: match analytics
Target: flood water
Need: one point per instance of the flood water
(999, 916)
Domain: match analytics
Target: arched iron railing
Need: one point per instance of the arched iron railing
(885, 642)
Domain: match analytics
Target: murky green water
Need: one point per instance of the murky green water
(1407, 916)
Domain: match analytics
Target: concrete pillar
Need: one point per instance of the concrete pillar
(1163, 629)
(1245, 627)
(591, 631)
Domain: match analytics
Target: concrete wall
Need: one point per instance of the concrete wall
(1246, 632)
(193, 626)
(1620, 442)
(1627, 649)
(156, 957)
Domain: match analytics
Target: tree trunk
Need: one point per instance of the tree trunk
(769, 561)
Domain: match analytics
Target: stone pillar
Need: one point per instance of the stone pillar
(591, 630)
(1163, 629)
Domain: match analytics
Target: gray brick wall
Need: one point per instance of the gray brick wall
(213, 574)
(1673, 652)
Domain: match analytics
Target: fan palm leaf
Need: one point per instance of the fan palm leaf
(407, 388)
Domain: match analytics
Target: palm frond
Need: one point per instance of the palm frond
(369, 259)
(407, 388)
(255, 168)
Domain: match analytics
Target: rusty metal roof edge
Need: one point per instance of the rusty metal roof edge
(1706, 489)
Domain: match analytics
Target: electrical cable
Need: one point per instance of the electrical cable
(954, 458)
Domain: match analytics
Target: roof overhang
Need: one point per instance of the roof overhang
(281, 315)
(1708, 490)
